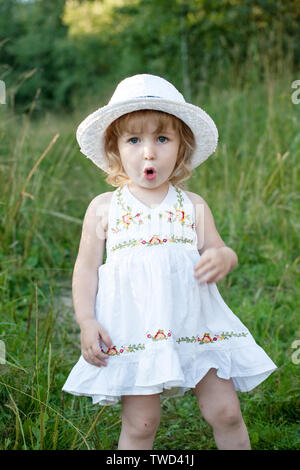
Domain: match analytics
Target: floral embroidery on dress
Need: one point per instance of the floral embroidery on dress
(178, 214)
(113, 351)
(172, 216)
(154, 240)
(127, 219)
(207, 338)
(161, 335)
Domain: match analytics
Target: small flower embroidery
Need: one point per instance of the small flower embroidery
(124, 349)
(170, 216)
(112, 351)
(126, 219)
(206, 338)
(160, 334)
(139, 219)
(180, 215)
(154, 240)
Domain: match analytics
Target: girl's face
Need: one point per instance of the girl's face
(148, 148)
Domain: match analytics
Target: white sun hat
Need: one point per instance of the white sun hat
(145, 91)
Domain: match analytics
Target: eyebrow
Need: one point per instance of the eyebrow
(153, 133)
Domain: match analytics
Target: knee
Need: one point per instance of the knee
(223, 416)
(141, 426)
(230, 416)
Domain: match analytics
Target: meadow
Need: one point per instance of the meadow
(251, 184)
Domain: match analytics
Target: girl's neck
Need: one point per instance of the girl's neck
(149, 195)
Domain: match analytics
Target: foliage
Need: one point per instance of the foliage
(69, 47)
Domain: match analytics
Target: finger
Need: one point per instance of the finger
(203, 265)
(202, 262)
(203, 270)
(96, 352)
(95, 360)
(84, 355)
(105, 336)
(209, 277)
(205, 276)
(98, 355)
(88, 358)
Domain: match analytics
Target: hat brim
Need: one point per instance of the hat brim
(91, 131)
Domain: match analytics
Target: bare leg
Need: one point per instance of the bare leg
(219, 404)
(140, 421)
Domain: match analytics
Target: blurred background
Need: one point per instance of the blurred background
(78, 50)
(59, 61)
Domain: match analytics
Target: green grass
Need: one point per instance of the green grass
(252, 187)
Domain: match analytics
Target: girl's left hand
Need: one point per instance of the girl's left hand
(214, 264)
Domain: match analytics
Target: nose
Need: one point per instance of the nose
(148, 151)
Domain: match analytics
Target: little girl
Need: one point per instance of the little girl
(153, 323)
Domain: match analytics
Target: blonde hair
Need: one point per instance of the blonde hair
(129, 122)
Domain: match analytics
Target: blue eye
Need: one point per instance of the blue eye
(162, 139)
(133, 140)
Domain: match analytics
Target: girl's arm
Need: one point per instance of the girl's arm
(85, 282)
(217, 259)
(89, 258)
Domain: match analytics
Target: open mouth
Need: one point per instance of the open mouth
(150, 173)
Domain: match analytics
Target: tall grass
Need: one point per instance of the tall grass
(252, 187)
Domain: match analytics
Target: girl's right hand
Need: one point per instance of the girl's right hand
(91, 332)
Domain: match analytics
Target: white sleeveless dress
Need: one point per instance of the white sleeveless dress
(167, 330)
